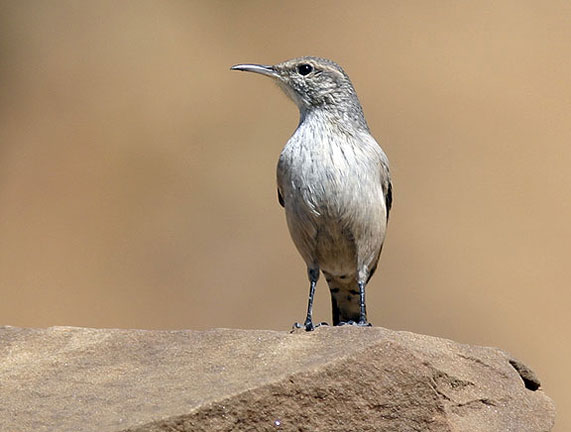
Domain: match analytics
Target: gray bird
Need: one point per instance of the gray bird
(334, 183)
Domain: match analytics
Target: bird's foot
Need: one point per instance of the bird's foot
(364, 323)
(361, 323)
(308, 325)
(345, 323)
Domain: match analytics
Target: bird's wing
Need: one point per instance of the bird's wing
(280, 180)
(386, 183)
(388, 193)
(280, 198)
(383, 164)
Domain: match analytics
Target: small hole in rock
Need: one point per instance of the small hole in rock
(528, 377)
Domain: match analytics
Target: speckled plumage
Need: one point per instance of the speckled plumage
(333, 181)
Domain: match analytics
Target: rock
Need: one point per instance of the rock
(334, 379)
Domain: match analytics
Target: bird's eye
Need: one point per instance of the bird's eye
(304, 69)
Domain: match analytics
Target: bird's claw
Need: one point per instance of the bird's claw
(353, 323)
(308, 325)
(344, 323)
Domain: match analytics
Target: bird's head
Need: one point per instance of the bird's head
(312, 83)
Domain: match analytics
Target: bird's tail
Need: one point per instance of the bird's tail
(345, 299)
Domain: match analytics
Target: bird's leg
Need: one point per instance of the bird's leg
(363, 311)
(308, 324)
(309, 318)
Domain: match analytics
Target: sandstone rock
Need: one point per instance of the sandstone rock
(334, 379)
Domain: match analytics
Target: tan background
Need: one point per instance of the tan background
(137, 172)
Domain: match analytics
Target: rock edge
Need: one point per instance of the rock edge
(333, 379)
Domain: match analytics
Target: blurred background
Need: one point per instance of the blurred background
(137, 173)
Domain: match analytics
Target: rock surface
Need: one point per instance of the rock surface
(334, 379)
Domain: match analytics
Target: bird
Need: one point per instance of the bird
(333, 181)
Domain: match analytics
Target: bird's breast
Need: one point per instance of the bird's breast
(327, 172)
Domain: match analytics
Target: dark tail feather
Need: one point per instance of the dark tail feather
(344, 299)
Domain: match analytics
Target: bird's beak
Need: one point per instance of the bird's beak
(261, 69)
